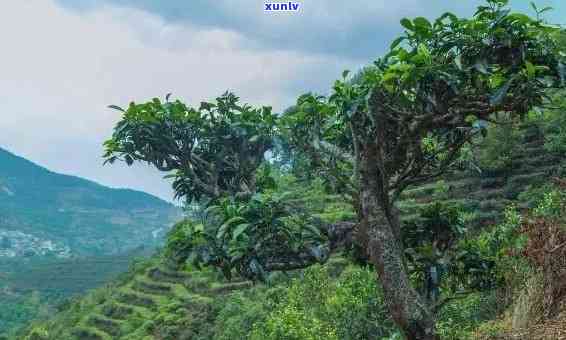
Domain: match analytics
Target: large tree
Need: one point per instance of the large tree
(215, 155)
(411, 113)
(211, 152)
(403, 121)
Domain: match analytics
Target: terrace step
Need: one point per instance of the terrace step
(105, 325)
(118, 311)
(134, 298)
(161, 275)
(229, 287)
(89, 333)
(150, 287)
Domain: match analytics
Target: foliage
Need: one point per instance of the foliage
(315, 307)
(495, 245)
(18, 309)
(33, 290)
(407, 118)
(555, 126)
(266, 233)
(500, 146)
(315, 135)
(214, 150)
(242, 310)
(552, 204)
(533, 195)
(460, 318)
(217, 153)
(432, 249)
(400, 122)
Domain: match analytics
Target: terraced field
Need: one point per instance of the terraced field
(488, 193)
(132, 310)
(151, 303)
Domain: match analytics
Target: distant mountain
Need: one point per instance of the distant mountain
(43, 213)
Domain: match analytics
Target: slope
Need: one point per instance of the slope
(42, 213)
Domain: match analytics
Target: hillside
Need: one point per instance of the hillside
(154, 301)
(42, 213)
(501, 181)
(62, 235)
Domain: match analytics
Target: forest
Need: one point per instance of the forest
(423, 198)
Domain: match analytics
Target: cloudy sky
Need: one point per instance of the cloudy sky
(63, 61)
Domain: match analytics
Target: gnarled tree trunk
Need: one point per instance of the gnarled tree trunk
(406, 306)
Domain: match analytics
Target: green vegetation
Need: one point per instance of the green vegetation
(339, 299)
(62, 235)
(35, 289)
(423, 199)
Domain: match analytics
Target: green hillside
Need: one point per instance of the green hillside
(154, 301)
(42, 212)
(503, 178)
(423, 199)
(62, 235)
(34, 289)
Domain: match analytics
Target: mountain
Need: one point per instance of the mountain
(43, 213)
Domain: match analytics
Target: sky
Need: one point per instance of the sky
(62, 62)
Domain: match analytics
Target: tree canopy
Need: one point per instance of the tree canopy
(409, 115)
(399, 122)
(212, 151)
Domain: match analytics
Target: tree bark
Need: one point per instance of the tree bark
(360, 234)
(407, 307)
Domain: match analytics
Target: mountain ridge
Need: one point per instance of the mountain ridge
(82, 215)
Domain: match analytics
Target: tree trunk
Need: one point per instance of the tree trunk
(406, 306)
(360, 235)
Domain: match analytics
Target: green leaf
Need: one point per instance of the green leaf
(546, 9)
(422, 22)
(240, 229)
(115, 107)
(471, 118)
(212, 208)
(224, 227)
(531, 71)
(423, 51)
(345, 73)
(407, 24)
(199, 227)
(396, 42)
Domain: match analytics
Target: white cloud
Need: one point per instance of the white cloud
(60, 69)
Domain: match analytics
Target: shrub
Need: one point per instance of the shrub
(241, 311)
(458, 319)
(316, 307)
(499, 148)
(555, 131)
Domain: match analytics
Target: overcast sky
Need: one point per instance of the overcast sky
(62, 62)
